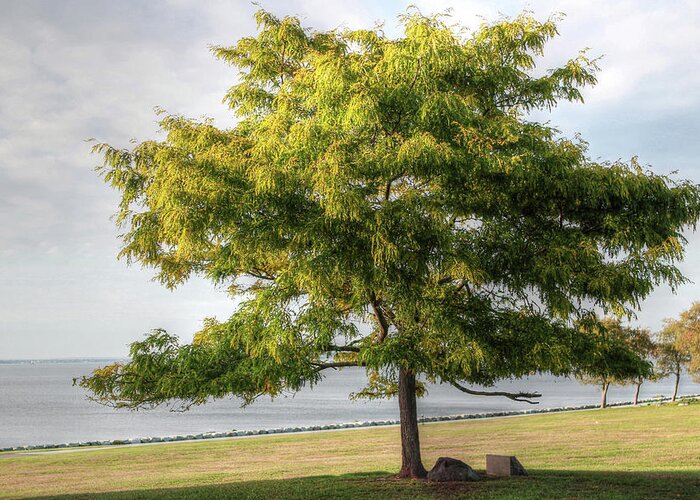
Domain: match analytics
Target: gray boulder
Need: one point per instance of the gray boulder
(451, 469)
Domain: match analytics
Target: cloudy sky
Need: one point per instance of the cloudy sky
(73, 70)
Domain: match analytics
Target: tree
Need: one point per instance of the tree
(395, 183)
(640, 341)
(689, 340)
(606, 369)
(677, 342)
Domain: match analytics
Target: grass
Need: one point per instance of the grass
(645, 452)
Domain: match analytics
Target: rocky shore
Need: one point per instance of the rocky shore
(288, 430)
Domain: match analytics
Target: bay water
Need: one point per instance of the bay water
(40, 405)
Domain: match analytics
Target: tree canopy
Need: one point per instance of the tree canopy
(633, 347)
(387, 203)
(678, 346)
(688, 339)
(629, 350)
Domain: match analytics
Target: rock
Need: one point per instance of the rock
(504, 466)
(451, 469)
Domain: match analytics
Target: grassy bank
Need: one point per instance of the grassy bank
(646, 452)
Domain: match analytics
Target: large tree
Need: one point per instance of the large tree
(394, 183)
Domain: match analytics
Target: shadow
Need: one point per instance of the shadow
(541, 484)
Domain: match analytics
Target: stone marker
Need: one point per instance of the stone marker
(504, 466)
(451, 469)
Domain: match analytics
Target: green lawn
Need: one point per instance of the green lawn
(645, 452)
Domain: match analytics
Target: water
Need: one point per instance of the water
(39, 405)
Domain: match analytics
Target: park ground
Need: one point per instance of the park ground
(642, 452)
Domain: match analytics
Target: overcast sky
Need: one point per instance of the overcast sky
(73, 70)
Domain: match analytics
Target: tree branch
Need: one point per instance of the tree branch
(379, 314)
(284, 48)
(334, 365)
(415, 75)
(523, 397)
(342, 348)
(387, 190)
(462, 283)
(261, 275)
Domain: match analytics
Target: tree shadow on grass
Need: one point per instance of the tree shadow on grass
(541, 484)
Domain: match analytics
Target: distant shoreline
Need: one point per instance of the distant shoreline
(41, 361)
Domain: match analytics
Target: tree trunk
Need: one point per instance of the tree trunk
(675, 387)
(604, 395)
(636, 393)
(411, 464)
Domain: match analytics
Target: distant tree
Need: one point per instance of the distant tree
(677, 346)
(605, 370)
(396, 183)
(689, 339)
(640, 340)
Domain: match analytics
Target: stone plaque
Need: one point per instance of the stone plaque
(504, 466)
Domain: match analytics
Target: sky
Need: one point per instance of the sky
(75, 70)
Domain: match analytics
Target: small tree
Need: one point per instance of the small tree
(677, 342)
(395, 183)
(639, 339)
(605, 370)
(688, 341)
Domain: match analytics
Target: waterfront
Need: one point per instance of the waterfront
(39, 404)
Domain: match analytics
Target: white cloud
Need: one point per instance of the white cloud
(78, 69)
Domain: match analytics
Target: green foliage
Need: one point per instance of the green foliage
(161, 371)
(623, 360)
(395, 183)
(679, 344)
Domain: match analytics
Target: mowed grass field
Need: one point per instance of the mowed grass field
(644, 452)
